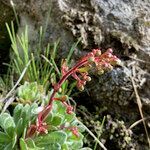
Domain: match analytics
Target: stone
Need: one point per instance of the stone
(43, 13)
(6, 16)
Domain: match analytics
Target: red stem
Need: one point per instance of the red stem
(43, 114)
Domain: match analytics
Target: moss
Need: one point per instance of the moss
(117, 135)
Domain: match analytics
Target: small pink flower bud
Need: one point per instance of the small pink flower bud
(91, 59)
(109, 55)
(88, 78)
(69, 109)
(109, 68)
(115, 61)
(60, 90)
(100, 72)
(75, 131)
(81, 88)
(110, 50)
(118, 62)
(96, 52)
(83, 82)
(91, 54)
(105, 65)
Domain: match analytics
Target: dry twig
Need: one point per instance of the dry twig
(140, 108)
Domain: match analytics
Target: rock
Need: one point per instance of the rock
(114, 86)
(98, 22)
(44, 13)
(6, 15)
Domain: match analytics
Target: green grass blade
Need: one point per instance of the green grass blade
(72, 50)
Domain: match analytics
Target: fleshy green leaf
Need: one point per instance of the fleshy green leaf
(8, 147)
(14, 140)
(75, 142)
(69, 117)
(26, 115)
(17, 112)
(86, 148)
(65, 146)
(49, 118)
(56, 121)
(59, 108)
(55, 146)
(19, 127)
(54, 137)
(30, 143)
(7, 122)
(33, 107)
(4, 138)
(49, 146)
(29, 92)
(77, 145)
(23, 145)
(10, 131)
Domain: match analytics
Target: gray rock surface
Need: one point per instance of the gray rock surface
(6, 15)
(96, 21)
(45, 13)
(123, 25)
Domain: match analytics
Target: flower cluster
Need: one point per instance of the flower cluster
(102, 62)
(80, 72)
(106, 61)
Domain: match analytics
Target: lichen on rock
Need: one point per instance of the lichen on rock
(118, 135)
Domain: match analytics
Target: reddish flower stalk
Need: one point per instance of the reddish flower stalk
(43, 114)
(102, 62)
